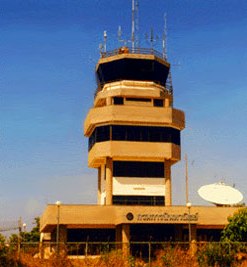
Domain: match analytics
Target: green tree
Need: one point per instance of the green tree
(236, 230)
(34, 234)
(2, 244)
(13, 242)
(5, 258)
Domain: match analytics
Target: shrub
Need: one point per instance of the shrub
(216, 254)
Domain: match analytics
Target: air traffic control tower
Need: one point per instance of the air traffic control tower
(133, 128)
(134, 139)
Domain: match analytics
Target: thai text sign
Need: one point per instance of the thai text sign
(166, 217)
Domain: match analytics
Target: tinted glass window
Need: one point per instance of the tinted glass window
(118, 100)
(158, 103)
(139, 200)
(100, 134)
(118, 132)
(134, 133)
(138, 99)
(138, 169)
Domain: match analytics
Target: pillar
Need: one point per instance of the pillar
(109, 167)
(99, 186)
(108, 101)
(125, 239)
(168, 184)
(193, 244)
(167, 102)
(119, 236)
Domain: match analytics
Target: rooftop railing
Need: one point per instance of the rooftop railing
(129, 50)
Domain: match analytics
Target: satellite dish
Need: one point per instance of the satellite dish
(220, 194)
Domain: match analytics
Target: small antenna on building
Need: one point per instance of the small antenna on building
(135, 26)
(119, 34)
(102, 47)
(164, 39)
(169, 85)
(105, 39)
(152, 39)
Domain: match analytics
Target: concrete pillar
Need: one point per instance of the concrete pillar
(167, 102)
(126, 239)
(108, 101)
(109, 168)
(41, 246)
(123, 238)
(45, 246)
(119, 236)
(99, 186)
(168, 184)
(193, 244)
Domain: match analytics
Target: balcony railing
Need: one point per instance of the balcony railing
(129, 50)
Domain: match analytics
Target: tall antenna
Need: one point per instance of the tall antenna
(152, 39)
(135, 24)
(102, 47)
(169, 85)
(164, 39)
(120, 39)
(105, 39)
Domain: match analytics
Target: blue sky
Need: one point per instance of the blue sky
(49, 49)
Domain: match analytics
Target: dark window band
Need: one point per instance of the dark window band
(138, 169)
(138, 99)
(139, 200)
(134, 133)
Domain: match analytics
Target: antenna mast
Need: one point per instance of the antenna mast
(164, 39)
(105, 39)
(169, 85)
(135, 26)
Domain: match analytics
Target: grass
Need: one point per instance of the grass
(165, 257)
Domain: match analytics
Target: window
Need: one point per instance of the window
(138, 99)
(138, 169)
(139, 200)
(134, 133)
(118, 100)
(158, 102)
(100, 134)
(118, 132)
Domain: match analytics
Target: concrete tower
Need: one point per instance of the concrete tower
(133, 129)
(134, 139)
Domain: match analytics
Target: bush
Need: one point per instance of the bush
(236, 230)
(216, 254)
(174, 257)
